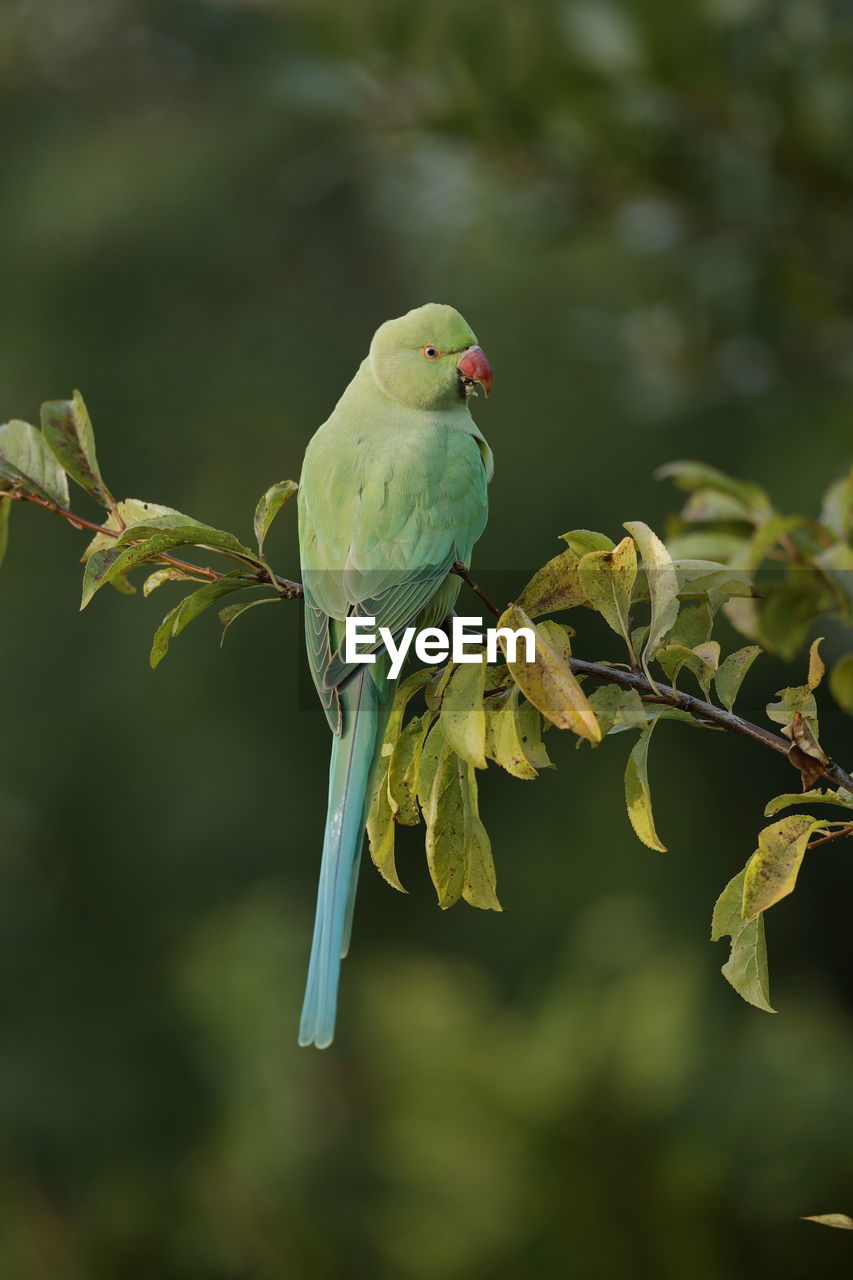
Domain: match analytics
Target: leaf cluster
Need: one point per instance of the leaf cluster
(36, 464)
(663, 600)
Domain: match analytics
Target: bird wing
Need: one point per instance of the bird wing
(383, 518)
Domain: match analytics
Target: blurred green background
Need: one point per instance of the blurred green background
(644, 210)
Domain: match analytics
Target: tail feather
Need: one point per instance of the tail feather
(350, 769)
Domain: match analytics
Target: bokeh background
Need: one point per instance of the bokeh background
(207, 207)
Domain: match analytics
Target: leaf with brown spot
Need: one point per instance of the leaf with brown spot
(548, 681)
(771, 873)
(67, 428)
(554, 587)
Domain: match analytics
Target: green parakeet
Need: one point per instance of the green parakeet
(392, 494)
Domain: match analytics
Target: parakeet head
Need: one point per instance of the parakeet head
(429, 358)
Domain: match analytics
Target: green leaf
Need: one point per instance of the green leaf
(448, 820)
(709, 505)
(638, 797)
(729, 676)
(184, 531)
(127, 514)
(706, 544)
(699, 577)
(689, 476)
(437, 685)
(607, 579)
(462, 714)
(794, 701)
(617, 707)
(67, 428)
(581, 541)
(841, 682)
(843, 799)
(771, 872)
(480, 887)
(233, 611)
(548, 681)
(503, 735)
(694, 624)
(663, 588)
(431, 752)
(841, 1220)
(746, 967)
(701, 661)
(5, 513)
(380, 830)
(28, 463)
(554, 587)
(190, 607)
(380, 818)
(403, 769)
(269, 505)
(837, 512)
(789, 611)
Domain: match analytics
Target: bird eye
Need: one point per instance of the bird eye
(432, 353)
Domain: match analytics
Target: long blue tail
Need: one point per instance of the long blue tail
(353, 754)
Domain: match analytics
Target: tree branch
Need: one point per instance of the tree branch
(662, 693)
(705, 711)
(284, 586)
(846, 830)
(461, 572)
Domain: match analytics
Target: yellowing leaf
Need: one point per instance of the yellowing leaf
(431, 753)
(462, 714)
(448, 818)
(746, 967)
(380, 818)
(607, 579)
(663, 588)
(842, 1220)
(480, 887)
(548, 681)
(771, 872)
(841, 798)
(402, 770)
(618, 707)
(5, 512)
(503, 735)
(554, 587)
(529, 723)
(380, 829)
(817, 667)
(638, 797)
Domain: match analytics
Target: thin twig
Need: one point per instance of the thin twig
(846, 830)
(284, 586)
(461, 572)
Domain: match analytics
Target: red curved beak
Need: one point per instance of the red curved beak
(474, 367)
